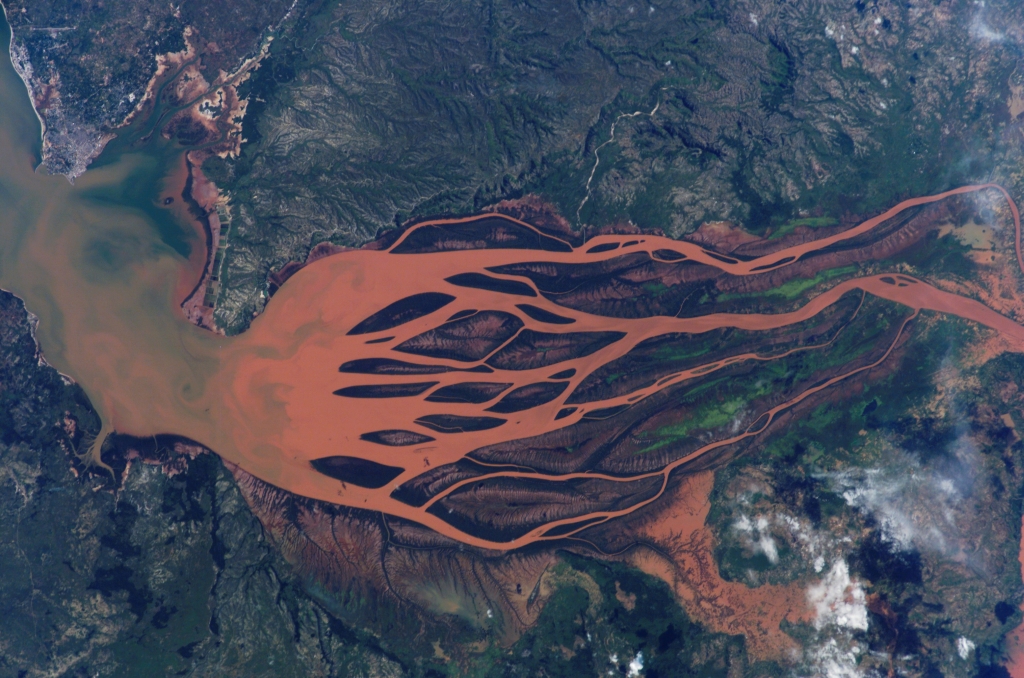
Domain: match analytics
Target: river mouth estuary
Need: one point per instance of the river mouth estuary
(503, 384)
(107, 282)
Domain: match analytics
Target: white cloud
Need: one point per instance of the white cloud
(982, 31)
(636, 665)
(914, 506)
(839, 601)
(830, 660)
(758, 536)
(964, 647)
(840, 607)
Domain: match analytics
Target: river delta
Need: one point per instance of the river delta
(493, 383)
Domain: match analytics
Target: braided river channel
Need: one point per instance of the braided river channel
(344, 388)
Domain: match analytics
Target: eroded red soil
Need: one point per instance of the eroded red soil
(333, 396)
(492, 383)
(284, 370)
(685, 560)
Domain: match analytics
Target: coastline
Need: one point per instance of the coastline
(22, 67)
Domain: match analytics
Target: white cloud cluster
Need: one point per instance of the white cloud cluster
(839, 601)
(982, 31)
(758, 536)
(636, 665)
(914, 507)
(831, 659)
(964, 647)
(756, 533)
(840, 607)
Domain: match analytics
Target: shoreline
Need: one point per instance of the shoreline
(19, 69)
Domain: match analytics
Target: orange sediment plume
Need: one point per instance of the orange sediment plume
(271, 406)
(344, 390)
(291, 394)
(685, 561)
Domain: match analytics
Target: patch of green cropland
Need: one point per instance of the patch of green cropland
(911, 481)
(368, 114)
(732, 399)
(807, 222)
(794, 288)
(727, 342)
(932, 257)
(710, 416)
(605, 618)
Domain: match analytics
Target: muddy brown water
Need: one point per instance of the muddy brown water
(106, 279)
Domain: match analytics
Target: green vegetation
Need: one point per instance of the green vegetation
(417, 128)
(711, 415)
(604, 616)
(810, 222)
(734, 396)
(888, 438)
(796, 287)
